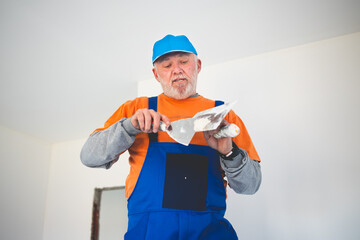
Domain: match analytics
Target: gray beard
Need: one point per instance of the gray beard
(180, 93)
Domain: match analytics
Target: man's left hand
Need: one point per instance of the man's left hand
(222, 145)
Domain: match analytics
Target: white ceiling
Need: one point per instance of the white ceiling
(67, 65)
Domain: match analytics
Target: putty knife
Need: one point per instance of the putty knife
(183, 130)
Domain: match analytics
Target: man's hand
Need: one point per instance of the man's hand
(222, 145)
(148, 121)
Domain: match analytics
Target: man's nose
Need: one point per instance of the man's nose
(177, 68)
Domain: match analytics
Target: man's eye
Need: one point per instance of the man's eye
(166, 64)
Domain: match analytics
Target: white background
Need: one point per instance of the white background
(301, 108)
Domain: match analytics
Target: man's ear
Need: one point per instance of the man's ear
(155, 74)
(198, 65)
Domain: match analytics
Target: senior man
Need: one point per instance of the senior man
(175, 191)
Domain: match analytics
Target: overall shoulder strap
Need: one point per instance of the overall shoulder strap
(153, 137)
(153, 103)
(218, 103)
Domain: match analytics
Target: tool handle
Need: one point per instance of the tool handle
(230, 130)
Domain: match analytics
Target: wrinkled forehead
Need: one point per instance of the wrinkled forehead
(167, 56)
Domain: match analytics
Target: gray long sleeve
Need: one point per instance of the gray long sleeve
(242, 173)
(103, 148)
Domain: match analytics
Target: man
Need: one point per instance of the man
(175, 191)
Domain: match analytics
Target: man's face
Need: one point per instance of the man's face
(177, 74)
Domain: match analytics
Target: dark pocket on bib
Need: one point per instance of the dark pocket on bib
(186, 180)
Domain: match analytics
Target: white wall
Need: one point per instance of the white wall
(71, 190)
(23, 182)
(301, 107)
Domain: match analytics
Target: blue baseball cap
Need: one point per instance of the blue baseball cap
(171, 43)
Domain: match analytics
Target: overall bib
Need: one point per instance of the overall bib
(179, 195)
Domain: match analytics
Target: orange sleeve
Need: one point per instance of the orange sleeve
(125, 111)
(243, 140)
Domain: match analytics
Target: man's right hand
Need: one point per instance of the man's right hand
(148, 121)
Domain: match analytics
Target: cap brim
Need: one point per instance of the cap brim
(186, 51)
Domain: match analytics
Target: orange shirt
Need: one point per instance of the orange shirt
(174, 110)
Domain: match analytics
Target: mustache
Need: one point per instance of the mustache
(178, 77)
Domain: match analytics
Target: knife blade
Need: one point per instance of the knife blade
(183, 130)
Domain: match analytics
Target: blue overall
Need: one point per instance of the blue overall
(179, 194)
